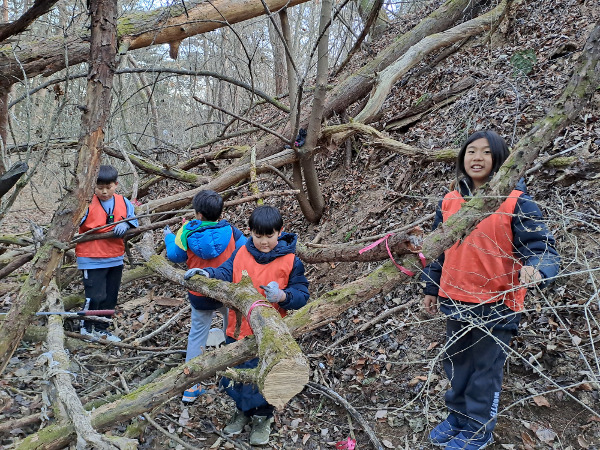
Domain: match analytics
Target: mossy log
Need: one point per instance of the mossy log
(229, 152)
(58, 372)
(225, 180)
(17, 261)
(283, 370)
(151, 167)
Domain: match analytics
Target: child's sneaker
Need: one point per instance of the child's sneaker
(236, 424)
(261, 430)
(192, 393)
(103, 334)
(445, 431)
(468, 440)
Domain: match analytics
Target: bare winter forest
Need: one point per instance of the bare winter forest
(182, 96)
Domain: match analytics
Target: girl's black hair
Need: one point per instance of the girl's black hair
(265, 220)
(107, 174)
(209, 204)
(498, 148)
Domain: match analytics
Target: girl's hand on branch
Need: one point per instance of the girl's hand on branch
(431, 304)
(530, 274)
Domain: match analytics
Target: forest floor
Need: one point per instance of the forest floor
(390, 372)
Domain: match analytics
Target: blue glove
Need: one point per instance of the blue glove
(121, 228)
(191, 272)
(273, 293)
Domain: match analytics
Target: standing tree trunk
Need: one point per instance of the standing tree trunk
(103, 48)
(278, 57)
(305, 153)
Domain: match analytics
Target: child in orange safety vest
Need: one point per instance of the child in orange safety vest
(205, 241)
(278, 274)
(101, 260)
(480, 284)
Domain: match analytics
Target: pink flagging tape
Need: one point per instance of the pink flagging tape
(254, 305)
(402, 269)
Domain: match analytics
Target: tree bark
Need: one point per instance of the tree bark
(306, 153)
(399, 244)
(66, 218)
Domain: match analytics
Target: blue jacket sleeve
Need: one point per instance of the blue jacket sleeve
(432, 273)
(533, 242)
(296, 292)
(131, 213)
(224, 271)
(174, 253)
(238, 237)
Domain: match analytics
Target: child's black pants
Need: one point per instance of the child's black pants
(102, 288)
(476, 349)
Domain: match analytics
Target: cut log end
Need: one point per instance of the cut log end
(285, 380)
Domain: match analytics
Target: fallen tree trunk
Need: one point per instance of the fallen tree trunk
(151, 167)
(398, 244)
(137, 29)
(58, 372)
(222, 182)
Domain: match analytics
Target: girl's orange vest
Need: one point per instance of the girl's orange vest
(195, 262)
(102, 248)
(483, 268)
(278, 270)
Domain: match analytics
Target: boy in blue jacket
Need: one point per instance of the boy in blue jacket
(203, 242)
(278, 274)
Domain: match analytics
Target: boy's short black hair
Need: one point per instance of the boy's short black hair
(107, 174)
(265, 219)
(209, 204)
(498, 148)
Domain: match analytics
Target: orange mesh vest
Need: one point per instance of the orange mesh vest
(483, 267)
(102, 248)
(261, 274)
(195, 262)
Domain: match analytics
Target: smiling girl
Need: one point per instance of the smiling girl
(480, 285)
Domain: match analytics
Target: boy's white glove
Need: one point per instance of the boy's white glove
(167, 230)
(196, 271)
(120, 229)
(273, 293)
